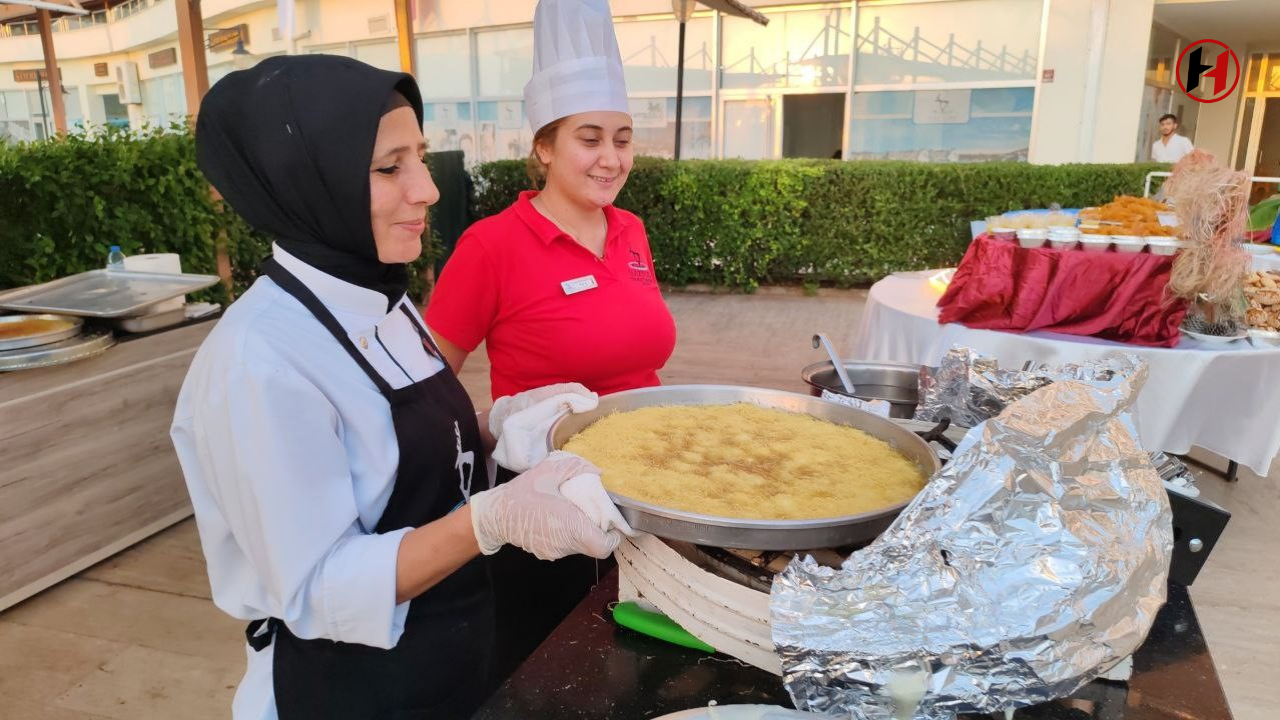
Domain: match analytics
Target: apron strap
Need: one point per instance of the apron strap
(260, 641)
(303, 294)
(428, 343)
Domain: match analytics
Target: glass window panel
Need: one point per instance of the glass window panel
(1242, 133)
(654, 120)
(504, 61)
(448, 126)
(15, 105)
(944, 126)
(1273, 76)
(801, 49)
(504, 132)
(384, 55)
(449, 57)
(1255, 72)
(331, 50)
(748, 129)
(71, 103)
(1155, 102)
(175, 97)
(650, 53)
(948, 42)
(1160, 55)
(217, 72)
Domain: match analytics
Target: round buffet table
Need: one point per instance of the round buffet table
(1223, 398)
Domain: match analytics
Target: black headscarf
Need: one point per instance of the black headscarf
(289, 143)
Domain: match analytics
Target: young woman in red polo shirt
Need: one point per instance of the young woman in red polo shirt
(560, 286)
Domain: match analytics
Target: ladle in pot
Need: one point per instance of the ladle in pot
(821, 340)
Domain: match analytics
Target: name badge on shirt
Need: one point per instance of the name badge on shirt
(577, 285)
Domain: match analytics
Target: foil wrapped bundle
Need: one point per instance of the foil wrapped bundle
(969, 387)
(1033, 562)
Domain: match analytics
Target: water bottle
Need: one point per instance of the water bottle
(115, 258)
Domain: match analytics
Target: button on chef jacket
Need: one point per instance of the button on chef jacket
(548, 309)
(290, 457)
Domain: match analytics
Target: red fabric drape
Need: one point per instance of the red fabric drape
(1115, 296)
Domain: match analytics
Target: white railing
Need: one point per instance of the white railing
(62, 24)
(133, 7)
(1146, 190)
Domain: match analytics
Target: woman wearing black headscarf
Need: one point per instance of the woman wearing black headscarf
(329, 451)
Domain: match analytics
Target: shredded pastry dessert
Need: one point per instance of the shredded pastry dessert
(745, 461)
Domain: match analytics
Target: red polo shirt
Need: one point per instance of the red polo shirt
(549, 310)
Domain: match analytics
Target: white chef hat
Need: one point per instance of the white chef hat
(576, 64)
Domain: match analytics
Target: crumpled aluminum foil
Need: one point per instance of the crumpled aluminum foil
(969, 387)
(1034, 561)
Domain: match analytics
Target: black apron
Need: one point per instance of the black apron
(439, 668)
(532, 597)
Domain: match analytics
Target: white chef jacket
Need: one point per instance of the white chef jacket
(290, 456)
(1178, 146)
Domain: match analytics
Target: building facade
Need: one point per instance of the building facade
(1049, 81)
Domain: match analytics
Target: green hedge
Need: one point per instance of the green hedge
(66, 202)
(63, 203)
(739, 223)
(727, 223)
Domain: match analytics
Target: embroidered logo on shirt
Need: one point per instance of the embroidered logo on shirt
(465, 464)
(639, 269)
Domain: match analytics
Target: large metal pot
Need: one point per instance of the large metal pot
(896, 383)
(738, 532)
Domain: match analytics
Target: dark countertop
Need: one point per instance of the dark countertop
(590, 668)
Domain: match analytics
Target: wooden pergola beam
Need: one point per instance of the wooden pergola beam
(195, 66)
(51, 72)
(404, 37)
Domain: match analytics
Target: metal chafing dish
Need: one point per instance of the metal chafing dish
(744, 533)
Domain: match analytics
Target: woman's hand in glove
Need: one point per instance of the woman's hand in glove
(531, 513)
(519, 423)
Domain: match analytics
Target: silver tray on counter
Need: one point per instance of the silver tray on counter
(753, 534)
(104, 293)
(77, 348)
(70, 328)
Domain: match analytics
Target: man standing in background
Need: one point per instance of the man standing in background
(1171, 146)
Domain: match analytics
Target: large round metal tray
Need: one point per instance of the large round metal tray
(66, 326)
(743, 533)
(80, 347)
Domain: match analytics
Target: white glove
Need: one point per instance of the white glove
(589, 495)
(531, 513)
(520, 422)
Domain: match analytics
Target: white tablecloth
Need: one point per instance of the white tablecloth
(1223, 398)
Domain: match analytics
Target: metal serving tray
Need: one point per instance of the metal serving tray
(753, 534)
(77, 348)
(67, 327)
(104, 293)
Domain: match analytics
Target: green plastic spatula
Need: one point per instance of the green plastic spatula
(654, 624)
